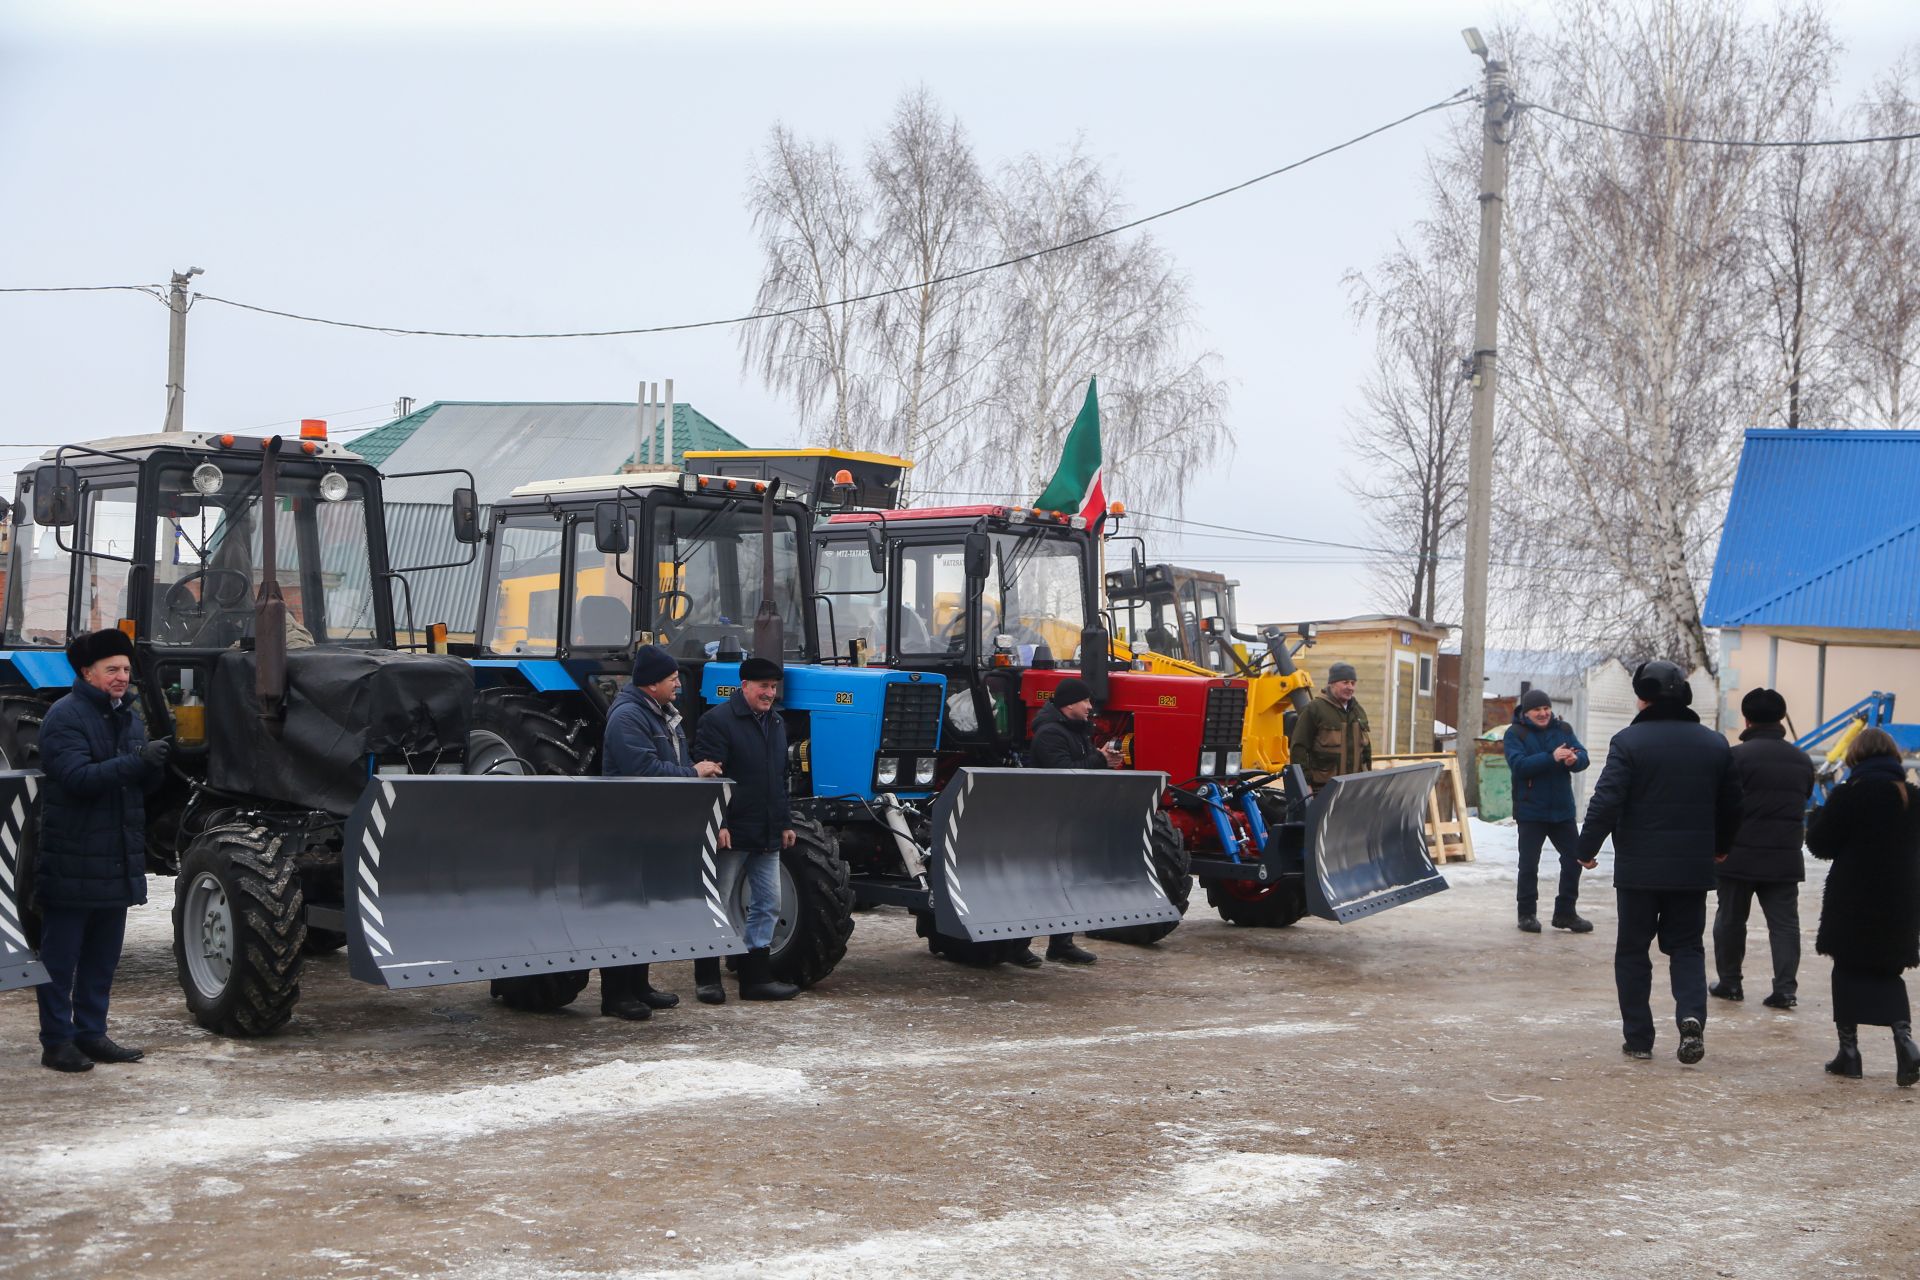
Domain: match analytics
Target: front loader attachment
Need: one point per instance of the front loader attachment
(1366, 843)
(19, 965)
(462, 879)
(1022, 852)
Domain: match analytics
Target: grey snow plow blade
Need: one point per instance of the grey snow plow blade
(1367, 843)
(19, 965)
(1022, 852)
(464, 879)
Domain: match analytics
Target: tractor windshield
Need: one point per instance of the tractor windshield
(1038, 591)
(852, 599)
(207, 560)
(708, 577)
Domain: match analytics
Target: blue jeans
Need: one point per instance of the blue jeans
(81, 948)
(763, 898)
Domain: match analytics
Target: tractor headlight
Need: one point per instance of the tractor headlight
(333, 486)
(1206, 764)
(923, 772)
(1233, 762)
(886, 771)
(207, 479)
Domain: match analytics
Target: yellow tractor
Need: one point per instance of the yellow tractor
(1177, 621)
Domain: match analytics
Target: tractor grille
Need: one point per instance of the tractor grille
(911, 718)
(1226, 717)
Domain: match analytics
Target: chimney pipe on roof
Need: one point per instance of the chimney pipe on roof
(666, 422)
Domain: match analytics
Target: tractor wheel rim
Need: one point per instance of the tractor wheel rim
(783, 920)
(208, 921)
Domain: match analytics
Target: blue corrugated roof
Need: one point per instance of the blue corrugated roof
(1823, 531)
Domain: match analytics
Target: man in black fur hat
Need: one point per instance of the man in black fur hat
(1669, 800)
(1766, 861)
(92, 861)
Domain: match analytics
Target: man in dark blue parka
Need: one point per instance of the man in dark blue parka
(1669, 798)
(643, 739)
(1543, 755)
(92, 862)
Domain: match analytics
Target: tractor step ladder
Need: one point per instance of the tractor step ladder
(1449, 836)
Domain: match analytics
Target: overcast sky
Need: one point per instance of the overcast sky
(565, 166)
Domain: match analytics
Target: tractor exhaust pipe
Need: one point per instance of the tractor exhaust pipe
(269, 606)
(769, 628)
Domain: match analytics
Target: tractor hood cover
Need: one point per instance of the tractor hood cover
(19, 966)
(343, 705)
(1022, 852)
(465, 879)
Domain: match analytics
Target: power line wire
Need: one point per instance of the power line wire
(1456, 99)
(1715, 142)
(152, 289)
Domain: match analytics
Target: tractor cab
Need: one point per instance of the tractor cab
(827, 480)
(1181, 613)
(581, 571)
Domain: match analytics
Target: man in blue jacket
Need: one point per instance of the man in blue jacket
(1669, 799)
(643, 739)
(746, 739)
(1543, 755)
(92, 862)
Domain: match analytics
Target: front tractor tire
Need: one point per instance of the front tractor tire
(1257, 906)
(540, 992)
(534, 730)
(1171, 865)
(238, 930)
(816, 907)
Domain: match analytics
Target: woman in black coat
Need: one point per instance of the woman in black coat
(1869, 829)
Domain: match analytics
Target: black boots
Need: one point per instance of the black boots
(706, 981)
(1529, 922)
(1847, 1061)
(1572, 922)
(65, 1057)
(644, 992)
(1726, 990)
(105, 1050)
(620, 993)
(756, 978)
(1693, 1041)
(1906, 1056)
(1061, 950)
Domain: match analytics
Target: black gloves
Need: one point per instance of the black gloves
(156, 753)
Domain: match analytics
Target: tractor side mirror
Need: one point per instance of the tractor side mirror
(466, 517)
(877, 549)
(610, 528)
(979, 557)
(56, 496)
(1309, 631)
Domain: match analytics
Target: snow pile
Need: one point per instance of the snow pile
(1250, 1180)
(414, 1119)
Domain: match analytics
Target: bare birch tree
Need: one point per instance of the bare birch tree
(930, 348)
(813, 217)
(976, 380)
(1882, 325)
(1410, 439)
(1631, 365)
(1116, 308)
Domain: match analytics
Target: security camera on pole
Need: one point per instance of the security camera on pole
(1497, 105)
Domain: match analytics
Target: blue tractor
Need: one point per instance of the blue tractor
(710, 567)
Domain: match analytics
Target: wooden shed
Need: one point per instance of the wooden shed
(1394, 657)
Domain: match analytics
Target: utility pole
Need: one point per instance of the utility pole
(177, 349)
(1497, 110)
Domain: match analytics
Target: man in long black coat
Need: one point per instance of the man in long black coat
(1766, 862)
(92, 860)
(1669, 800)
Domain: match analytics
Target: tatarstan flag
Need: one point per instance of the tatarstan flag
(1076, 487)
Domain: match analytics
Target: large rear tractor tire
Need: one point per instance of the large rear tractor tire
(20, 718)
(1257, 906)
(534, 730)
(816, 907)
(238, 930)
(540, 992)
(1170, 867)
